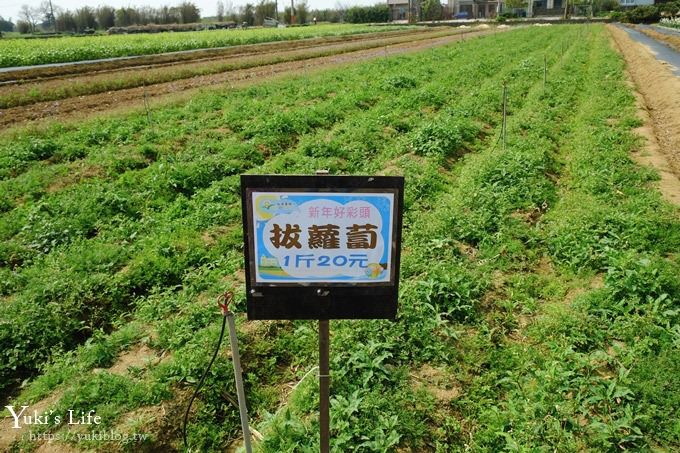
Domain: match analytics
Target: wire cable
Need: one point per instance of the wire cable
(225, 310)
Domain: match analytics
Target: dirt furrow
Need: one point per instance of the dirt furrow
(133, 98)
(659, 100)
(56, 88)
(167, 59)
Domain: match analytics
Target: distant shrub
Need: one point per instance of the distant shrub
(646, 14)
(643, 15)
(617, 16)
(367, 14)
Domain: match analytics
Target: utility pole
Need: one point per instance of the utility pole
(52, 18)
(292, 12)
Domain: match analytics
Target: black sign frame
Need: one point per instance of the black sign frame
(327, 300)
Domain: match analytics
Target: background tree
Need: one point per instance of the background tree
(220, 11)
(6, 25)
(106, 17)
(367, 14)
(230, 12)
(189, 13)
(30, 16)
(48, 12)
(125, 17)
(263, 10)
(66, 22)
(146, 15)
(248, 14)
(23, 27)
(165, 15)
(432, 10)
(605, 5)
(327, 15)
(85, 19)
(302, 12)
(286, 14)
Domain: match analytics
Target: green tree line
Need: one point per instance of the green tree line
(50, 17)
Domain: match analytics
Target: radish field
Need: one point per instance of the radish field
(539, 304)
(26, 52)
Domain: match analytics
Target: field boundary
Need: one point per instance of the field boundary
(656, 90)
(126, 99)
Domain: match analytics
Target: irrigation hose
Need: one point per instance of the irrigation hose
(225, 310)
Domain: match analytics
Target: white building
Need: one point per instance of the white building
(476, 9)
(635, 2)
(399, 9)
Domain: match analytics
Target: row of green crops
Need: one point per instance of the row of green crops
(121, 232)
(152, 177)
(159, 182)
(40, 91)
(27, 52)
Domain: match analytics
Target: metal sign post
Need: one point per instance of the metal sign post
(238, 371)
(324, 376)
(324, 386)
(322, 247)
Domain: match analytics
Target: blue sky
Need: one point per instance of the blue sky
(10, 8)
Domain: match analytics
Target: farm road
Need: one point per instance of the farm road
(654, 68)
(54, 83)
(665, 35)
(133, 98)
(662, 52)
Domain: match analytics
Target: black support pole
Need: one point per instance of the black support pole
(324, 387)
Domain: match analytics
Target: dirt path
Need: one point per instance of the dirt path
(23, 74)
(91, 82)
(133, 98)
(659, 99)
(667, 38)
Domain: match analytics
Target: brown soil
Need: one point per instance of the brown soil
(162, 422)
(437, 382)
(133, 98)
(659, 102)
(595, 283)
(167, 59)
(55, 447)
(78, 172)
(672, 41)
(140, 356)
(88, 82)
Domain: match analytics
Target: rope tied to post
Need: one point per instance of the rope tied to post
(228, 296)
(223, 302)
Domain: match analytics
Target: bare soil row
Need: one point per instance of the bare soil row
(255, 68)
(150, 61)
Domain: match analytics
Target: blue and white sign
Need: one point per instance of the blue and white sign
(311, 237)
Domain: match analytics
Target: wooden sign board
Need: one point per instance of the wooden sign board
(322, 247)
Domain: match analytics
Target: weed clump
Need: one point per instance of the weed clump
(445, 138)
